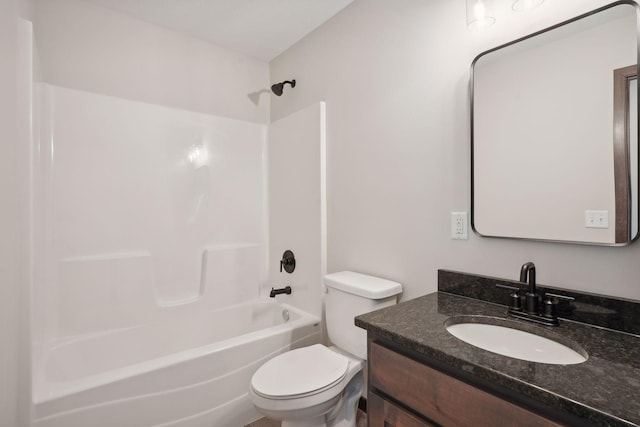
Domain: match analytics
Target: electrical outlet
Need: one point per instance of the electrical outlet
(459, 226)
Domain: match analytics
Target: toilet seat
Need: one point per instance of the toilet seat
(299, 373)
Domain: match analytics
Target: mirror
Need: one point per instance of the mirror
(554, 137)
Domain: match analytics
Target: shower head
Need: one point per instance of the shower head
(277, 88)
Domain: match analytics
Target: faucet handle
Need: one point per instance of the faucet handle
(551, 304)
(511, 288)
(561, 297)
(516, 301)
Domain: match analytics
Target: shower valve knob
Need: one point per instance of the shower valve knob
(288, 262)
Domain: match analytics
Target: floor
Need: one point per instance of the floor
(264, 422)
(361, 421)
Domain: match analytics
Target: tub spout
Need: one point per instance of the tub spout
(285, 290)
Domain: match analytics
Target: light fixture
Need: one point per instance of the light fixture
(480, 14)
(523, 5)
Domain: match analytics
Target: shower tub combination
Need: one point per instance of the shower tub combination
(190, 371)
(151, 245)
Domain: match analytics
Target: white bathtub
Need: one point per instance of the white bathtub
(187, 372)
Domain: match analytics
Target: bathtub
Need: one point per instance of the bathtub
(189, 371)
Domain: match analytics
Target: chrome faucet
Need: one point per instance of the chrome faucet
(531, 296)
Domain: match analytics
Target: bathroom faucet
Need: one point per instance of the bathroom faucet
(545, 313)
(531, 296)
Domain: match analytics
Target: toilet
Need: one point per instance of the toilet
(319, 386)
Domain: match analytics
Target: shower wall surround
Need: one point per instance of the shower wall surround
(143, 211)
(297, 204)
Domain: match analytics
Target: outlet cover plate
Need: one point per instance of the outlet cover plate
(596, 219)
(459, 226)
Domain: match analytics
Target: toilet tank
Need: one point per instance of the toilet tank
(351, 294)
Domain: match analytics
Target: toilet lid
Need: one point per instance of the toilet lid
(299, 371)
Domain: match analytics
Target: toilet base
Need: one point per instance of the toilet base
(347, 410)
(343, 415)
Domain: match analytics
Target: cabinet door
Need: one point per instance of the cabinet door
(382, 413)
(445, 400)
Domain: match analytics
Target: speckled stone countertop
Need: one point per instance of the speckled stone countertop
(603, 391)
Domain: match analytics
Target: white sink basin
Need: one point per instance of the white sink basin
(515, 343)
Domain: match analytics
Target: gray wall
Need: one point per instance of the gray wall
(394, 75)
(94, 49)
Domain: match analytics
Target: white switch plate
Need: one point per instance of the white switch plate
(596, 219)
(459, 226)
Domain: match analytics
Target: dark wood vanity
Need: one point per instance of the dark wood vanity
(404, 392)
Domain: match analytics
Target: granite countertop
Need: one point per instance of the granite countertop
(604, 390)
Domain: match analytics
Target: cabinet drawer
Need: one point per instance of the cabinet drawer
(441, 398)
(382, 413)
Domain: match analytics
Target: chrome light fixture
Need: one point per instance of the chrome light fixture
(524, 5)
(480, 14)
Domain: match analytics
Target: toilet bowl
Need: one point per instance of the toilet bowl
(313, 386)
(319, 386)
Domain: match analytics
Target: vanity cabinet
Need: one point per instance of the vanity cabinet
(404, 392)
